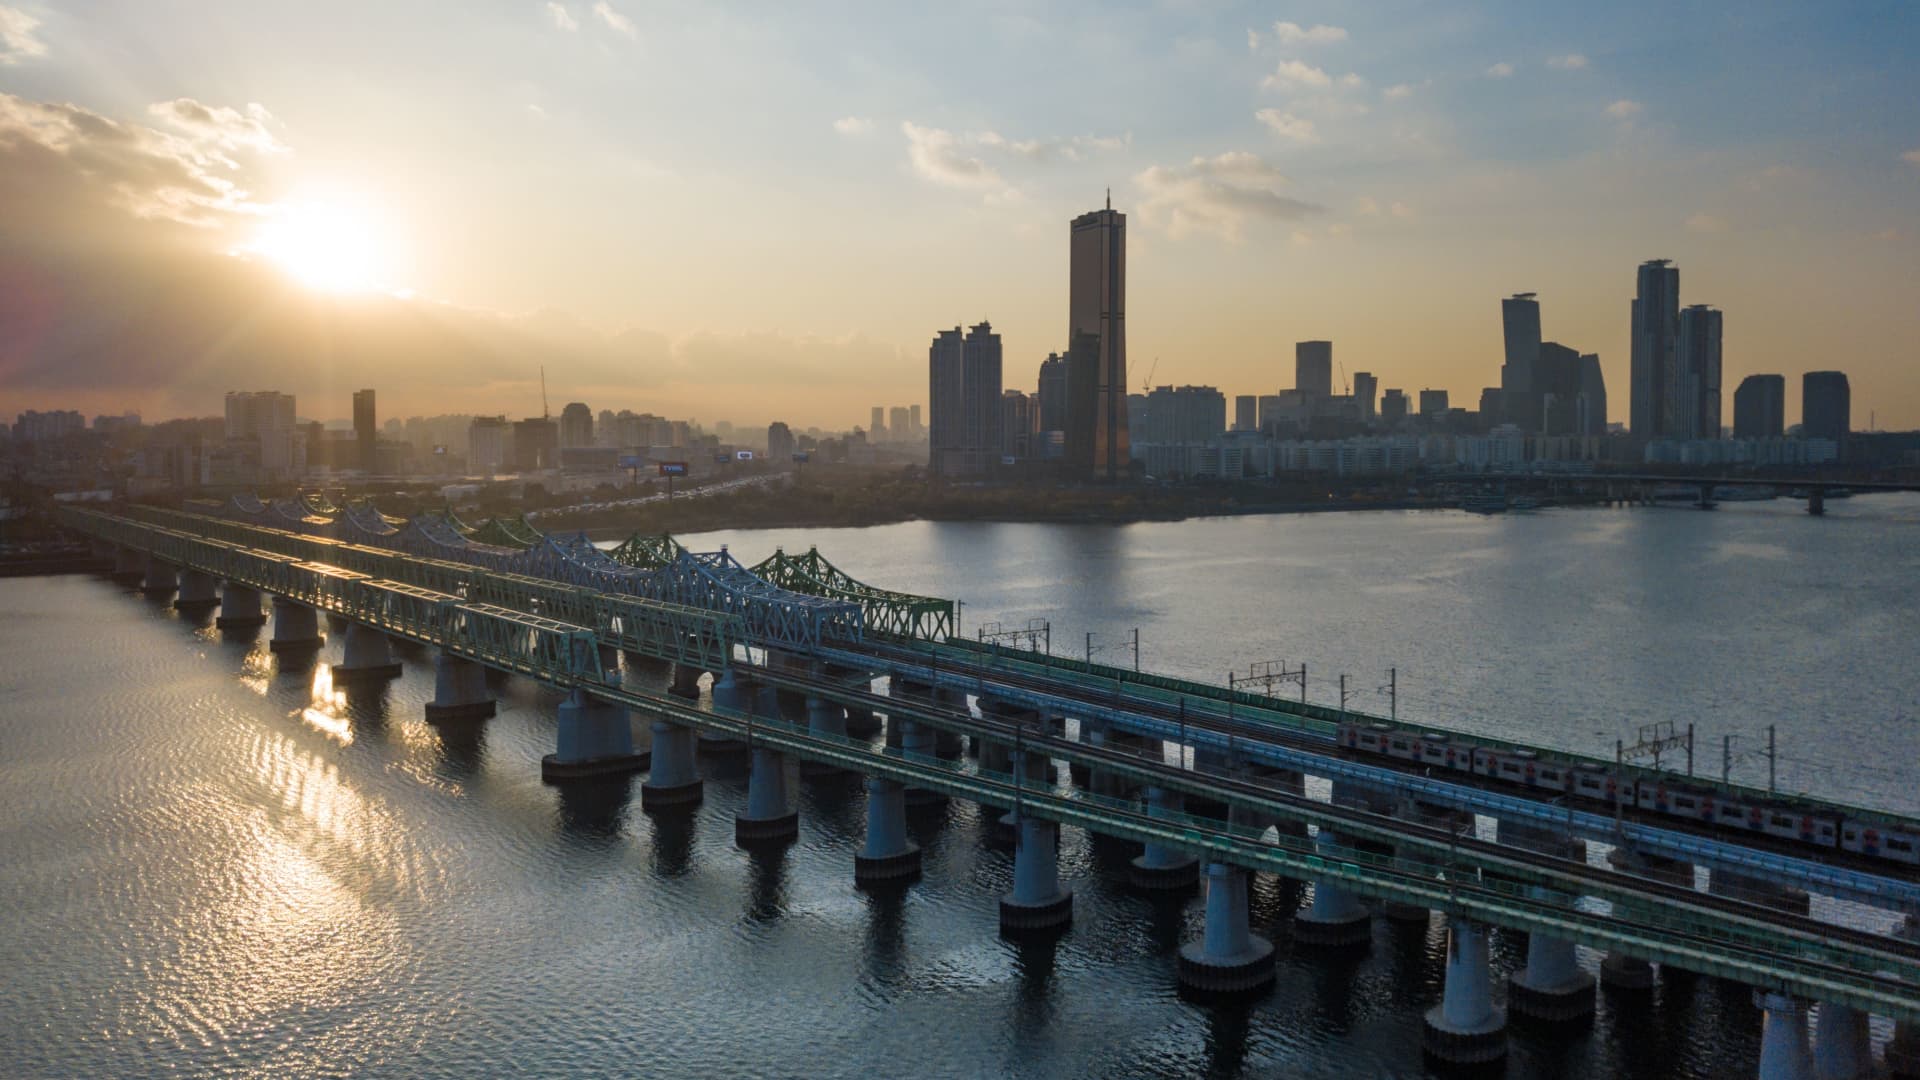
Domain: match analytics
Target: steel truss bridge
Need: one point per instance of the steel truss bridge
(549, 625)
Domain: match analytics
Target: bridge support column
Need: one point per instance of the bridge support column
(160, 577)
(1466, 1027)
(595, 739)
(1783, 1037)
(1551, 986)
(769, 817)
(1161, 868)
(1038, 903)
(673, 777)
(609, 657)
(919, 741)
(1229, 959)
(887, 856)
(367, 657)
(1817, 501)
(686, 681)
(296, 628)
(1903, 1051)
(1034, 772)
(730, 694)
(949, 745)
(459, 690)
(825, 720)
(1620, 971)
(1336, 916)
(197, 591)
(1842, 1045)
(239, 607)
(1102, 781)
(129, 564)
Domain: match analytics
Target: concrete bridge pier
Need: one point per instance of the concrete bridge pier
(1620, 971)
(1466, 1027)
(1336, 916)
(367, 657)
(919, 741)
(685, 681)
(1160, 868)
(1034, 771)
(1101, 782)
(1038, 902)
(595, 739)
(770, 817)
(1842, 1045)
(673, 777)
(734, 695)
(159, 578)
(949, 745)
(887, 856)
(198, 591)
(239, 607)
(129, 564)
(296, 627)
(825, 720)
(1229, 960)
(1783, 1037)
(459, 690)
(1551, 987)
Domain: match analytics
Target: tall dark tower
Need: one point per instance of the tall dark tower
(1096, 317)
(365, 433)
(1656, 330)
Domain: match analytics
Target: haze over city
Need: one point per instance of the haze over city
(743, 217)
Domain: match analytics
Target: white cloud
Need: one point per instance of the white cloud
(1366, 207)
(1292, 73)
(1624, 109)
(1217, 195)
(1288, 126)
(853, 125)
(1705, 223)
(536, 111)
(1352, 81)
(1569, 62)
(615, 21)
(1287, 33)
(1911, 157)
(1500, 70)
(1397, 91)
(561, 17)
(17, 41)
(1401, 210)
(937, 155)
(1253, 40)
(219, 132)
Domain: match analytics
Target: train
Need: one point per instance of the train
(1679, 797)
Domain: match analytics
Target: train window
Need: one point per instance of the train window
(1683, 803)
(1508, 766)
(1899, 845)
(1550, 774)
(1782, 821)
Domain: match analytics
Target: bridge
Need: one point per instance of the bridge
(804, 660)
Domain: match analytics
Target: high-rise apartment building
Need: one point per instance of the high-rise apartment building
(946, 415)
(1184, 414)
(877, 429)
(780, 442)
(1016, 424)
(489, 444)
(1590, 412)
(1393, 406)
(1052, 397)
(365, 428)
(576, 425)
(899, 426)
(1556, 389)
(1694, 378)
(1246, 412)
(536, 444)
(1366, 391)
(1432, 402)
(1760, 407)
(1656, 332)
(963, 392)
(980, 363)
(267, 417)
(1096, 309)
(1826, 406)
(1313, 368)
(913, 425)
(1519, 375)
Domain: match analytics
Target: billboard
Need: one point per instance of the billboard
(743, 455)
(631, 461)
(801, 456)
(673, 468)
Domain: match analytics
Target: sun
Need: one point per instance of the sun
(323, 244)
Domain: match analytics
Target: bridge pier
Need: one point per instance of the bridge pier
(731, 694)
(825, 720)
(367, 657)
(1842, 1045)
(1816, 501)
(129, 564)
(770, 817)
(1038, 902)
(159, 578)
(673, 776)
(239, 607)
(198, 591)
(949, 745)
(1229, 960)
(1620, 971)
(296, 627)
(887, 856)
(1466, 1027)
(459, 690)
(918, 741)
(1551, 987)
(1783, 1037)
(1103, 782)
(595, 739)
(1160, 868)
(1034, 772)
(685, 681)
(1336, 916)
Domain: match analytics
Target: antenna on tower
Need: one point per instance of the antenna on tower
(544, 413)
(1109, 198)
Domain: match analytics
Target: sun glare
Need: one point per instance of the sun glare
(323, 245)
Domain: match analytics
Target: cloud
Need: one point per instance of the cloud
(1911, 157)
(1253, 40)
(1569, 62)
(1705, 223)
(1366, 207)
(1500, 70)
(853, 125)
(220, 128)
(615, 21)
(1624, 109)
(562, 18)
(1217, 195)
(1352, 81)
(959, 159)
(1402, 211)
(937, 155)
(1293, 73)
(1397, 92)
(1065, 147)
(17, 41)
(1287, 125)
(1287, 33)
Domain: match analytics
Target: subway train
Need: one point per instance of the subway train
(1794, 821)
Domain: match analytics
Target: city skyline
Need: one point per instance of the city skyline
(1297, 185)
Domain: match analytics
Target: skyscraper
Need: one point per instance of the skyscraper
(1656, 328)
(898, 427)
(780, 442)
(536, 444)
(913, 421)
(1433, 402)
(963, 374)
(1393, 406)
(1016, 423)
(365, 428)
(1520, 323)
(1366, 389)
(1556, 389)
(267, 417)
(1695, 376)
(1096, 306)
(1760, 407)
(1590, 412)
(945, 413)
(1313, 368)
(1246, 413)
(1052, 393)
(1826, 405)
(576, 425)
(877, 430)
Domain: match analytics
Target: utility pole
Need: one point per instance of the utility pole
(1183, 733)
(1089, 650)
(1772, 759)
(1393, 694)
(1136, 650)
(1689, 749)
(1343, 697)
(1726, 757)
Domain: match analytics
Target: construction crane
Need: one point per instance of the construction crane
(1346, 386)
(1146, 384)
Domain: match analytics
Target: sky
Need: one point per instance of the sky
(763, 211)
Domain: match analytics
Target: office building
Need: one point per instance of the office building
(913, 422)
(1393, 406)
(1313, 368)
(1553, 401)
(576, 425)
(536, 444)
(1184, 414)
(1826, 405)
(899, 427)
(267, 417)
(1656, 330)
(1052, 397)
(1760, 407)
(1520, 326)
(365, 429)
(779, 442)
(1366, 391)
(1694, 379)
(877, 428)
(1016, 424)
(489, 444)
(1097, 343)
(1590, 412)
(1433, 403)
(1246, 413)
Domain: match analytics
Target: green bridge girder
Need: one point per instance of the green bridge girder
(506, 532)
(888, 613)
(647, 551)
